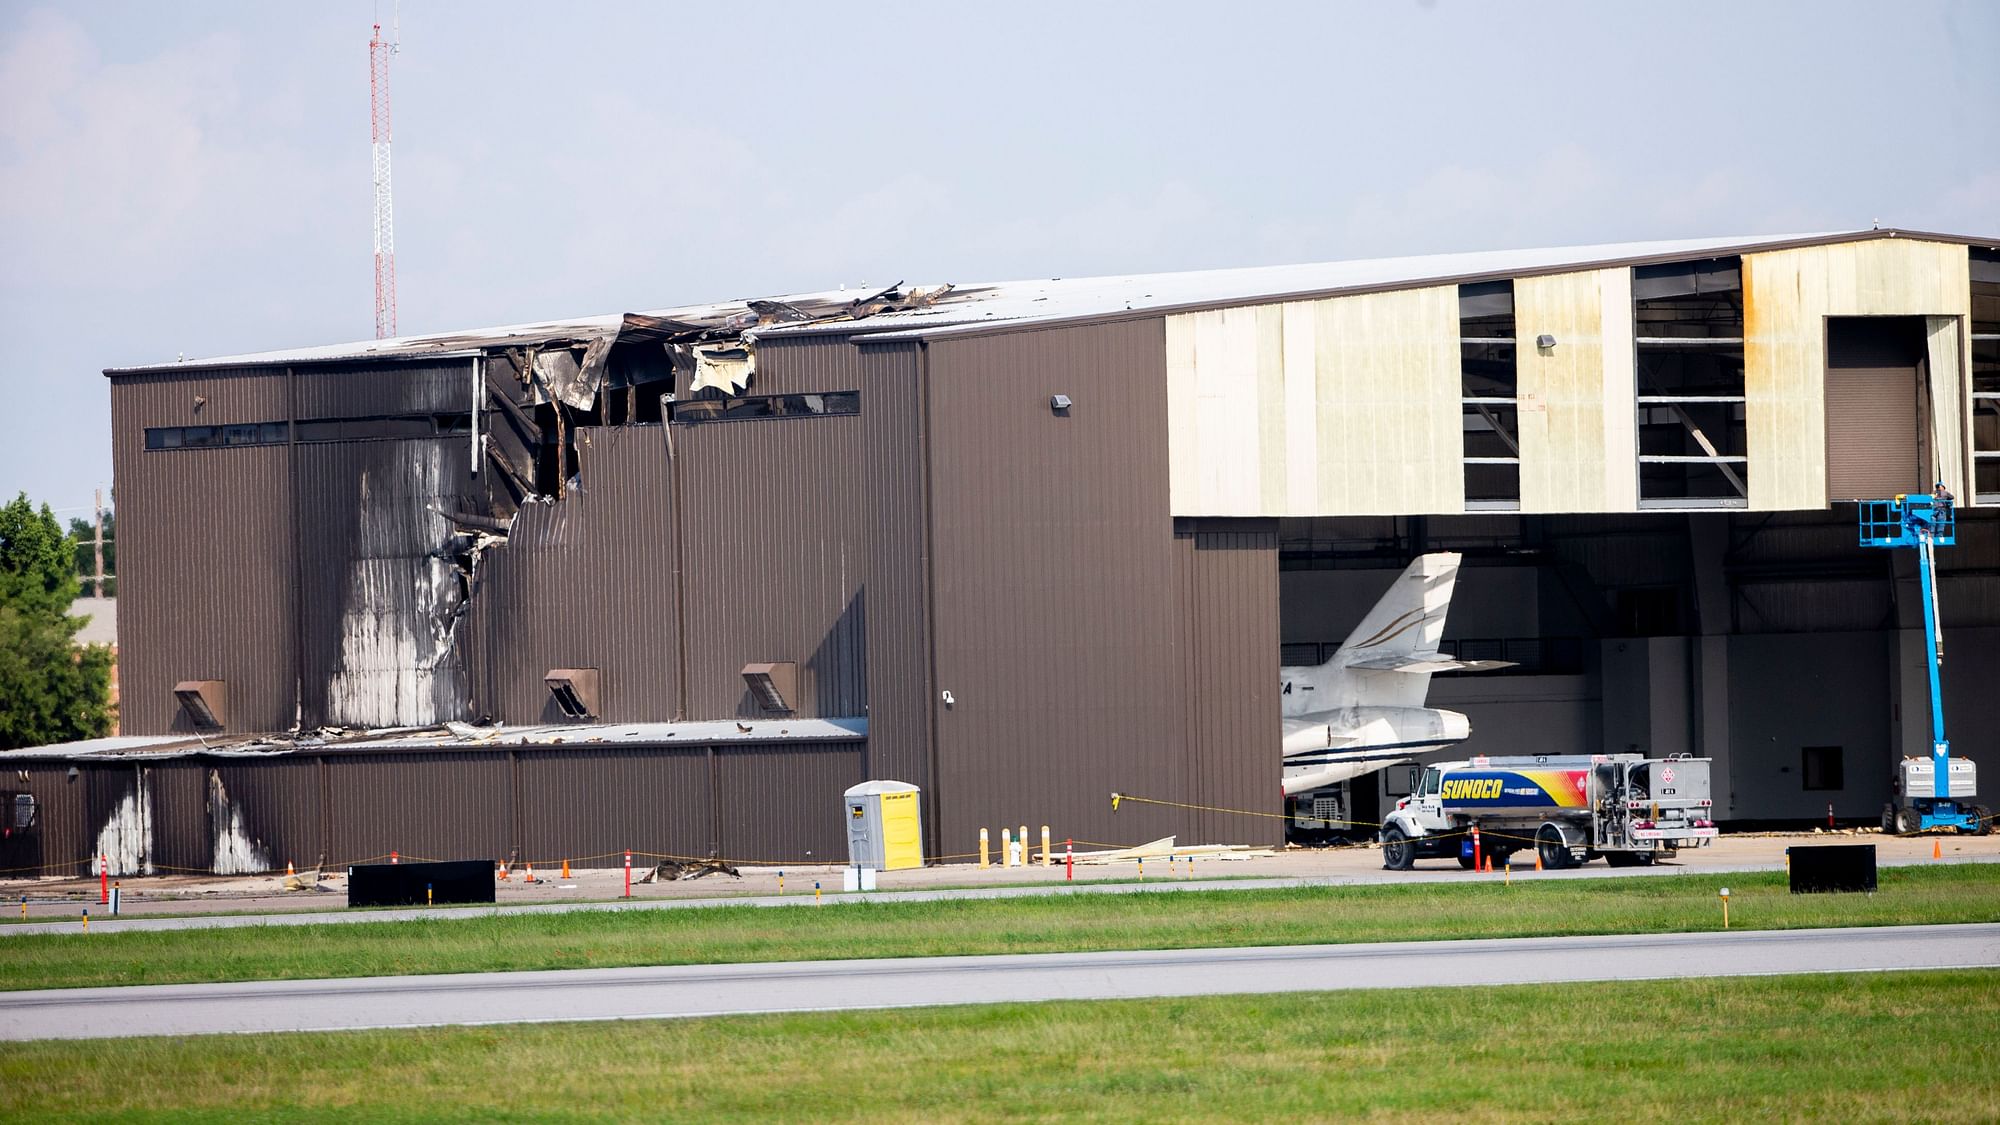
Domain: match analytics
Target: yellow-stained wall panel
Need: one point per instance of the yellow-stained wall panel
(1787, 295)
(1390, 436)
(1301, 407)
(1342, 406)
(1578, 426)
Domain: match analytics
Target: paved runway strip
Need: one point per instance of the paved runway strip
(707, 990)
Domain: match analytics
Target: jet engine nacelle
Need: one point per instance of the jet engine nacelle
(1330, 747)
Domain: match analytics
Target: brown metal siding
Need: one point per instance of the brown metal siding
(1227, 575)
(1056, 620)
(899, 686)
(183, 836)
(781, 804)
(584, 583)
(444, 805)
(62, 839)
(205, 560)
(283, 805)
(406, 388)
(776, 556)
(802, 365)
(592, 803)
(587, 804)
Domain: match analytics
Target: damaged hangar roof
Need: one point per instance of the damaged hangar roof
(455, 736)
(923, 310)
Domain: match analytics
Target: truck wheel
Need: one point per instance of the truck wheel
(1398, 853)
(1888, 820)
(1465, 861)
(1908, 822)
(1553, 848)
(1985, 815)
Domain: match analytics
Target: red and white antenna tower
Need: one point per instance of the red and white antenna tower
(385, 209)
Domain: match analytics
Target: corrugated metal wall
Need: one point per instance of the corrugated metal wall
(900, 693)
(611, 798)
(1059, 622)
(747, 802)
(776, 556)
(584, 583)
(782, 804)
(1227, 574)
(205, 565)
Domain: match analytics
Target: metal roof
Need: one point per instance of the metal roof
(457, 736)
(971, 307)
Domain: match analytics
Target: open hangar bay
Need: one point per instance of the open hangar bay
(671, 581)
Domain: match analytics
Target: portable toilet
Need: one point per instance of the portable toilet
(884, 828)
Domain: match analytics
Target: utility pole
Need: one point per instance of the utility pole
(97, 549)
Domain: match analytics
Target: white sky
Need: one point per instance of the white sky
(195, 178)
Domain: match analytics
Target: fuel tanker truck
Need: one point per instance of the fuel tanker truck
(1628, 808)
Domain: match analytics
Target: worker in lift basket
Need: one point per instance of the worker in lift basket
(1941, 496)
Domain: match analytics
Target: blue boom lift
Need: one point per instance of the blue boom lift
(1926, 522)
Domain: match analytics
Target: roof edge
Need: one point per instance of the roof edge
(1027, 324)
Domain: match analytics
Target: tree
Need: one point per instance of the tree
(51, 688)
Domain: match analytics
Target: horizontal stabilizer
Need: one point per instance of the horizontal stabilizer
(1426, 662)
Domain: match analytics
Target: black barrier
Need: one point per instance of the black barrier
(1824, 868)
(416, 884)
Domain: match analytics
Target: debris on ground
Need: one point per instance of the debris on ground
(668, 870)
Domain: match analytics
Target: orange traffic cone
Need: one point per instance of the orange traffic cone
(1538, 859)
(289, 873)
(530, 876)
(1937, 849)
(1489, 865)
(565, 871)
(503, 870)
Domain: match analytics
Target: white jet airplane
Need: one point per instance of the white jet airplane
(1363, 710)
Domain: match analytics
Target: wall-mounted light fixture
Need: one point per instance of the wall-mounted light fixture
(575, 690)
(774, 685)
(205, 702)
(1059, 403)
(1545, 341)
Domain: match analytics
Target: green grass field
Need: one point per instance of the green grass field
(1866, 1047)
(886, 928)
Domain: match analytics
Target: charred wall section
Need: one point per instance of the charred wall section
(228, 813)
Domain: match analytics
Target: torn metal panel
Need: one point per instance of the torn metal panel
(726, 367)
(561, 377)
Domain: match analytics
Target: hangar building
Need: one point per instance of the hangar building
(674, 579)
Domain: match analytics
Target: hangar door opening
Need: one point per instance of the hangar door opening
(1876, 409)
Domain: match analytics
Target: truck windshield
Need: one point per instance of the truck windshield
(1431, 782)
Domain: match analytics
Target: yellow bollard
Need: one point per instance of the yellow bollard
(781, 880)
(1045, 845)
(984, 863)
(1142, 869)
(86, 920)
(1022, 840)
(1725, 908)
(1006, 847)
